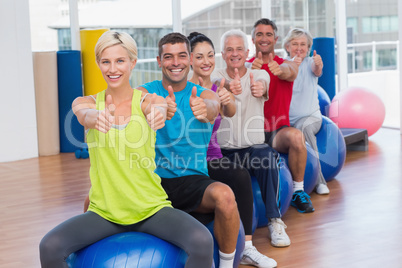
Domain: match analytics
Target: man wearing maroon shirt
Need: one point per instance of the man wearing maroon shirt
(278, 133)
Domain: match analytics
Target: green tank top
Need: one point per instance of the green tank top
(125, 189)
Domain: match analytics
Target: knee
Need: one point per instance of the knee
(297, 140)
(225, 198)
(50, 250)
(202, 244)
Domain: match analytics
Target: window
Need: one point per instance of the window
(379, 24)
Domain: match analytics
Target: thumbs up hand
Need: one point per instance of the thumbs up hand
(317, 59)
(198, 106)
(274, 66)
(257, 88)
(235, 84)
(105, 118)
(224, 95)
(257, 63)
(297, 59)
(157, 116)
(171, 104)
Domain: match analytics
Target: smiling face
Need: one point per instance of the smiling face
(234, 52)
(298, 47)
(203, 59)
(116, 66)
(175, 64)
(264, 39)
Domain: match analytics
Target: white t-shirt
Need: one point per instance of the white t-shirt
(246, 127)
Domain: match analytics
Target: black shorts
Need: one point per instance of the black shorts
(269, 136)
(186, 192)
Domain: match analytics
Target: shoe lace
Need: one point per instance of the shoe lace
(279, 225)
(253, 254)
(304, 197)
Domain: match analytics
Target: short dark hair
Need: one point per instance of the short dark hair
(263, 21)
(173, 38)
(196, 37)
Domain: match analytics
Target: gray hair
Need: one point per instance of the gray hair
(264, 21)
(237, 33)
(296, 33)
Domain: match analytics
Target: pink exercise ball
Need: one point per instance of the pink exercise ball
(357, 108)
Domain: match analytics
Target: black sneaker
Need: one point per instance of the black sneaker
(301, 201)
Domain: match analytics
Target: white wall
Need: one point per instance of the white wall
(18, 134)
(386, 85)
(42, 14)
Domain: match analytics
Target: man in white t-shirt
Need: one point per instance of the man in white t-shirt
(241, 137)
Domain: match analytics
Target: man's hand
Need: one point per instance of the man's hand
(198, 106)
(235, 84)
(257, 88)
(257, 63)
(274, 66)
(171, 104)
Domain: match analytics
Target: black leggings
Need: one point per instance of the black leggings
(172, 225)
(239, 180)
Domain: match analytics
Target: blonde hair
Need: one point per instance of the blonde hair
(112, 38)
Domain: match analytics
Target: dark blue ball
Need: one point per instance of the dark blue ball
(131, 249)
(331, 148)
(323, 100)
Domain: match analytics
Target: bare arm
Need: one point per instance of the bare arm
(212, 102)
(233, 86)
(154, 108)
(85, 110)
(228, 106)
(289, 71)
(286, 71)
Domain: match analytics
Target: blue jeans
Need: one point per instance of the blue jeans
(261, 161)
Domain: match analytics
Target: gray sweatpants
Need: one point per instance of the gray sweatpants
(172, 225)
(310, 126)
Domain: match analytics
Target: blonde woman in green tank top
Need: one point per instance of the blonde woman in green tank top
(126, 194)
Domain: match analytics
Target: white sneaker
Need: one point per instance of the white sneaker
(276, 228)
(251, 256)
(322, 189)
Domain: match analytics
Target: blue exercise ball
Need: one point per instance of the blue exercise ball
(255, 217)
(239, 246)
(285, 194)
(131, 249)
(285, 187)
(331, 148)
(261, 219)
(323, 100)
(311, 170)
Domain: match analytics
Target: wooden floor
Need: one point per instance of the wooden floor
(358, 225)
